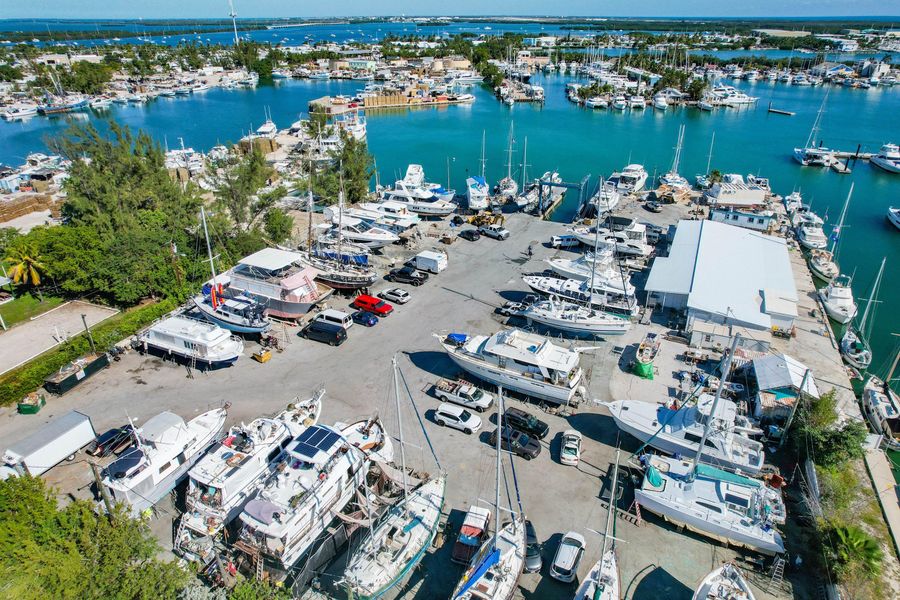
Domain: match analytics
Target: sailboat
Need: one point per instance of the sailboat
(398, 542)
(724, 506)
(507, 188)
(494, 571)
(881, 406)
(528, 195)
(602, 581)
(725, 583)
(854, 345)
(823, 263)
(703, 181)
(239, 313)
(672, 178)
(812, 155)
(477, 190)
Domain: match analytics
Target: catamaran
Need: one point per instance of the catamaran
(165, 449)
(854, 343)
(823, 263)
(715, 503)
(523, 362)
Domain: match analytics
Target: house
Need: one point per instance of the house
(721, 274)
(778, 380)
(829, 69)
(735, 195)
(760, 220)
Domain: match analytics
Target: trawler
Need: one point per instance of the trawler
(165, 449)
(221, 483)
(678, 431)
(523, 362)
(317, 476)
(201, 344)
(629, 180)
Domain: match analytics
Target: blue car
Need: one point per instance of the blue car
(364, 318)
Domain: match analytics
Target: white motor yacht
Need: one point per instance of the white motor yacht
(199, 343)
(575, 318)
(630, 179)
(837, 297)
(580, 292)
(604, 201)
(359, 232)
(888, 158)
(660, 102)
(620, 102)
(165, 449)
(811, 236)
(17, 113)
(523, 362)
(631, 241)
(418, 199)
(893, 216)
(881, 406)
(678, 431)
(725, 583)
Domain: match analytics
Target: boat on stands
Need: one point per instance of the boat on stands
(575, 318)
(630, 241)
(478, 193)
(573, 290)
(419, 200)
(165, 449)
(604, 201)
(600, 264)
(194, 342)
(725, 583)
(507, 188)
(359, 232)
(520, 361)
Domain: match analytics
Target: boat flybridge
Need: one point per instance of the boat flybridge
(520, 361)
(888, 158)
(679, 431)
(419, 196)
(360, 232)
(629, 180)
(165, 449)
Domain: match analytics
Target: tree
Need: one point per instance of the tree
(85, 77)
(75, 552)
(251, 589)
(26, 265)
(696, 88)
(819, 437)
(237, 188)
(278, 225)
(852, 548)
(10, 73)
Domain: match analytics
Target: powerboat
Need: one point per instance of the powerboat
(17, 113)
(601, 263)
(881, 406)
(888, 158)
(520, 361)
(725, 583)
(477, 192)
(619, 102)
(629, 180)
(575, 318)
(811, 236)
(630, 241)
(201, 344)
(604, 201)
(418, 199)
(359, 232)
(893, 215)
(678, 430)
(837, 297)
(165, 449)
(660, 102)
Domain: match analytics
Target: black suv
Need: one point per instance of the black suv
(407, 275)
(517, 442)
(521, 420)
(322, 331)
(470, 234)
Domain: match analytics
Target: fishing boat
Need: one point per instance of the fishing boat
(17, 113)
(888, 158)
(728, 507)
(316, 478)
(854, 344)
(198, 343)
(672, 178)
(837, 298)
(397, 543)
(493, 573)
(581, 292)
(523, 362)
(222, 482)
(677, 430)
(660, 102)
(629, 180)
(648, 349)
(605, 200)
(813, 154)
(240, 313)
(165, 449)
(823, 263)
(412, 193)
(603, 581)
(881, 406)
(575, 318)
(725, 583)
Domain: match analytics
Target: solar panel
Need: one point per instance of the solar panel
(315, 439)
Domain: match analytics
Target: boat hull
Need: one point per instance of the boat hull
(210, 315)
(885, 164)
(581, 327)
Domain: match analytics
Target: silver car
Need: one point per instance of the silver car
(533, 560)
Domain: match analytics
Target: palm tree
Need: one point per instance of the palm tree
(25, 264)
(855, 546)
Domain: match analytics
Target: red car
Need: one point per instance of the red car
(373, 305)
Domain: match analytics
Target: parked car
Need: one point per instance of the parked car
(335, 317)
(564, 241)
(474, 530)
(364, 318)
(517, 442)
(457, 417)
(328, 333)
(568, 557)
(570, 448)
(372, 304)
(470, 234)
(463, 393)
(521, 420)
(533, 560)
(407, 274)
(114, 441)
(498, 232)
(396, 295)
(653, 206)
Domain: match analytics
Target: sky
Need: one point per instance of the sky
(119, 9)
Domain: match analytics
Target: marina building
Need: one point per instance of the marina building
(717, 273)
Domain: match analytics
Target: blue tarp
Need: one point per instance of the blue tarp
(489, 561)
(457, 338)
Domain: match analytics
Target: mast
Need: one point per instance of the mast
(715, 405)
(611, 511)
(709, 156)
(483, 160)
(865, 317)
(233, 16)
(212, 266)
(399, 425)
(509, 152)
(677, 159)
(814, 133)
(524, 163)
(497, 489)
(590, 294)
(836, 232)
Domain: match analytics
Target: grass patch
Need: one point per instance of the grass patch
(27, 306)
(30, 376)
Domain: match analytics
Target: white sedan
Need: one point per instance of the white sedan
(395, 295)
(570, 448)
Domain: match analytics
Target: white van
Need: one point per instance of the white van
(431, 261)
(335, 317)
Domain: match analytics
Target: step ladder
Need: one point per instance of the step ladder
(777, 573)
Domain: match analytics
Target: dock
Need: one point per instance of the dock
(879, 468)
(779, 111)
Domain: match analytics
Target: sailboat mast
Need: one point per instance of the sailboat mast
(233, 16)
(399, 424)
(590, 294)
(497, 489)
(212, 266)
(611, 512)
(715, 404)
(836, 232)
(524, 163)
(865, 317)
(483, 133)
(709, 156)
(509, 152)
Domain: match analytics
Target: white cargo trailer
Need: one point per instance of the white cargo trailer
(57, 440)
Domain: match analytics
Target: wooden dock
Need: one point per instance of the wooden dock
(779, 111)
(883, 480)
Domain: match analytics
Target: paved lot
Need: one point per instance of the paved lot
(26, 340)
(656, 561)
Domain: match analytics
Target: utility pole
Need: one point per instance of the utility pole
(104, 493)
(88, 330)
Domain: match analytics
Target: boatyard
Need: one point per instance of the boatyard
(601, 327)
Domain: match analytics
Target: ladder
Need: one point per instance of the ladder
(637, 512)
(777, 573)
(259, 566)
(177, 543)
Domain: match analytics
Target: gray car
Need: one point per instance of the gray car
(533, 561)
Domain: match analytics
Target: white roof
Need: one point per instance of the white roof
(270, 259)
(156, 428)
(726, 270)
(780, 371)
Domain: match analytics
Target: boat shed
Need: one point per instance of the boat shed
(736, 195)
(721, 274)
(779, 379)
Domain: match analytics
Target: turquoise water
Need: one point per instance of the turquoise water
(577, 141)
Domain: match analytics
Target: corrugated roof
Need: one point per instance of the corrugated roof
(780, 371)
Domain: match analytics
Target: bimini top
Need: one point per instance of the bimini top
(315, 444)
(270, 259)
(532, 349)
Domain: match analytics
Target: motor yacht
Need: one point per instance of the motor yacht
(630, 179)
(201, 344)
(360, 232)
(888, 158)
(575, 318)
(881, 405)
(837, 297)
(620, 102)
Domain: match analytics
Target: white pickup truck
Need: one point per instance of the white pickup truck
(463, 393)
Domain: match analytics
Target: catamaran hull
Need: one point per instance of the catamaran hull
(517, 383)
(707, 528)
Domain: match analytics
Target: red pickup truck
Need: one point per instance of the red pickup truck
(373, 305)
(474, 531)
